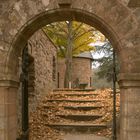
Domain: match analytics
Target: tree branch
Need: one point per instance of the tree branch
(83, 34)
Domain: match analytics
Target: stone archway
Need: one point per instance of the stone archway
(118, 22)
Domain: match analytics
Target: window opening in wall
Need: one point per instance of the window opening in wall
(31, 84)
(90, 81)
(54, 69)
(58, 80)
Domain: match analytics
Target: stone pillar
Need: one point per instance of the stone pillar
(130, 106)
(8, 110)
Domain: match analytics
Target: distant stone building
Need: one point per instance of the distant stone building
(81, 70)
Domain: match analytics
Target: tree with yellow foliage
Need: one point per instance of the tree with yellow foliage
(71, 39)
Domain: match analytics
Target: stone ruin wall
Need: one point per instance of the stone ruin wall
(43, 52)
(41, 77)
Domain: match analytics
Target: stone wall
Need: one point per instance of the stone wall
(81, 69)
(42, 78)
(19, 19)
(44, 53)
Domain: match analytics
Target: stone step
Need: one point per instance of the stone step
(76, 127)
(80, 117)
(84, 108)
(70, 90)
(73, 100)
(76, 94)
(84, 137)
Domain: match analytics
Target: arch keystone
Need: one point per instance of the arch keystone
(64, 3)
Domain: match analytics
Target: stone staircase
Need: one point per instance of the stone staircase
(75, 111)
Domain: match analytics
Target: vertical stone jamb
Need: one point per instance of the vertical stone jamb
(130, 106)
(8, 110)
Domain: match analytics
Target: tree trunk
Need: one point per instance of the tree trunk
(68, 57)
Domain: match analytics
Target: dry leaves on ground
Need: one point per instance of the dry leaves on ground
(44, 115)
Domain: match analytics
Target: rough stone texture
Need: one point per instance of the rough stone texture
(41, 79)
(130, 121)
(125, 2)
(81, 69)
(8, 111)
(121, 24)
(134, 3)
(43, 52)
(114, 13)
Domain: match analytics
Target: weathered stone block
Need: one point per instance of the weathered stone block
(1, 134)
(115, 14)
(127, 26)
(2, 123)
(134, 3)
(2, 110)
